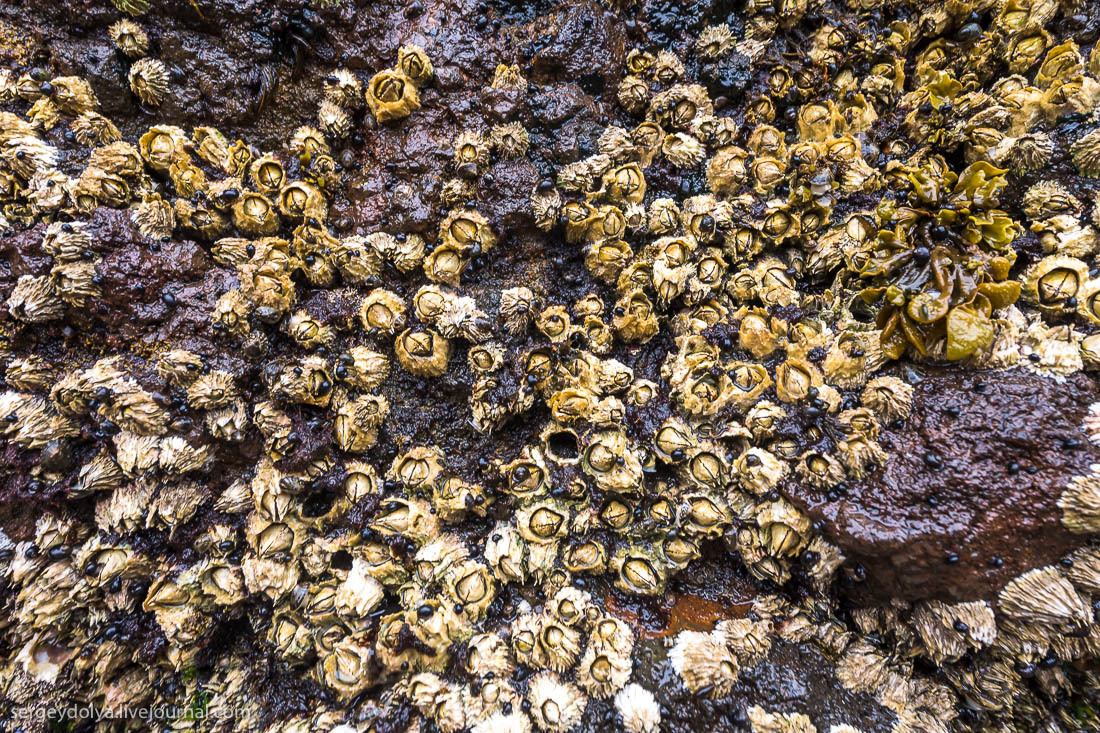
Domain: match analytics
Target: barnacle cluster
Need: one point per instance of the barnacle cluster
(752, 268)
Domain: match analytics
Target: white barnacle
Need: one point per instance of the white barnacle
(638, 709)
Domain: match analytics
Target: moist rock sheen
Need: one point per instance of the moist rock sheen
(949, 486)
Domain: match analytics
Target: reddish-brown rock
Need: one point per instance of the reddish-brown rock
(967, 499)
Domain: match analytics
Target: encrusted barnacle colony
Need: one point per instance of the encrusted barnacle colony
(423, 407)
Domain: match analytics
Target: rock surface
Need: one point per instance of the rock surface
(967, 500)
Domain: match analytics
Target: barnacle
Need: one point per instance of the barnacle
(391, 95)
(635, 317)
(683, 150)
(602, 673)
(44, 114)
(308, 382)
(308, 143)
(667, 68)
(1064, 234)
(1044, 596)
(149, 80)
(357, 423)
(705, 663)
(1086, 154)
(347, 669)
(638, 571)
(555, 705)
(714, 41)
(267, 174)
(638, 709)
(1080, 504)
(343, 89)
(382, 311)
(415, 64)
(30, 374)
(765, 722)
(948, 631)
(302, 200)
(362, 368)
(211, 390)
(633, 93)
(92, 128)
(35, 300)
(424, 353)
(73, 95)
(1055, 282)
(451, 315)
(255, 215)
(471, 148)
(784, 528)
(1025, 153)
(889, 397)
(510, 140)
(332, 118)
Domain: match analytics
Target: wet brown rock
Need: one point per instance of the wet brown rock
(582, 40)
(967, 500)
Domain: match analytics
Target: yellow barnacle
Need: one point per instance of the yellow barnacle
(767, 173)
(254, 214)
(586, 557)
(707, 468)
(382, 311)
(1054, 283)
(391, 95)
(302, 200)
(571, 405)
(673, 440)
(633, 93)
(727, 170)
(638, 572)
(267, 174)
(606, 259)
(468, 231)
(707, 515)
(616, 514)
(414, 64)
(543, 522)
(554, 323)
(445, 264)
(149, 80)
(796, 380)
(779, 224)
(749, 381)
(237, 159)
(626, 183)
(161, 145)
(422, 352)
(417, 468)
(472, 585)
(639, 62)
(1088, 301)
